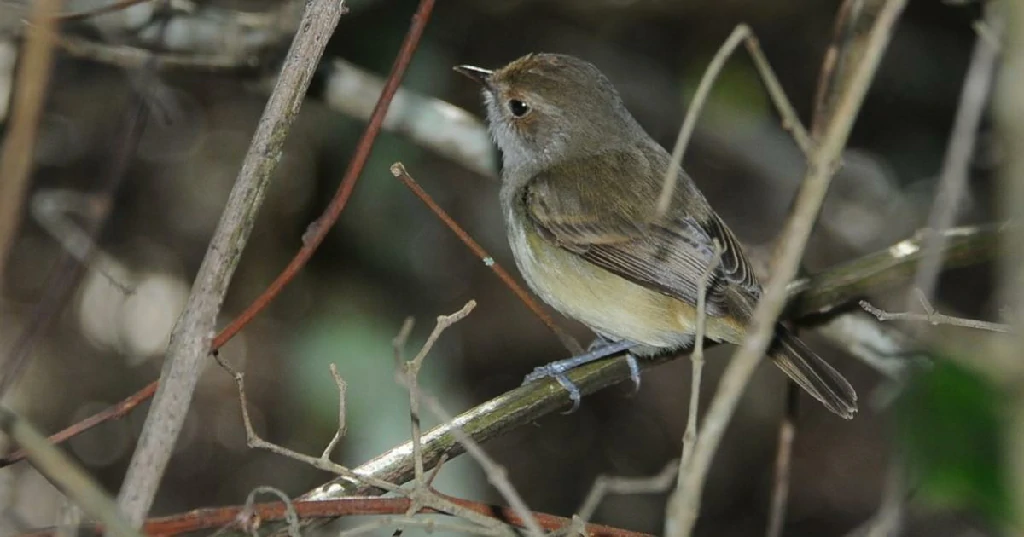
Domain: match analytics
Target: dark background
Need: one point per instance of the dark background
(389, 258)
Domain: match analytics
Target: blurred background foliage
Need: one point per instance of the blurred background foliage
(389, 258)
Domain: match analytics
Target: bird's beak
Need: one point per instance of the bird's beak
(477, 74)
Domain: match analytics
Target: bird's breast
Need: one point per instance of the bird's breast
(607, 303)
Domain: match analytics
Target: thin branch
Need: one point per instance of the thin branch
(697, 358)
(407, 375)
(399, 171)
(253, 439)
(934, 318)
(323, 224)
(67, 269)
(783, 459)
(67, 476)
(605, 485)
(872, 342)
(683, 513)
(190, 339)
(953, 180)
(496, 475)
(18, 144)
(30, 90)
(342, 413)
(243, 516)
(790, 120)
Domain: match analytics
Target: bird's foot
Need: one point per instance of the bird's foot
(600, 348)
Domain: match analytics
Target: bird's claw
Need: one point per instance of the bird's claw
(557, 371)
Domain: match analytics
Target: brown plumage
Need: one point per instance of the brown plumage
(580, 184)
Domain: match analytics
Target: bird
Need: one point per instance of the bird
(580, 183)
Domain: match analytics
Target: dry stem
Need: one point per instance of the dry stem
(683, 513)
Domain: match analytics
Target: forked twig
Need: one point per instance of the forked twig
(790, 120)
(933, 317)
(496, 475)
(253, 439)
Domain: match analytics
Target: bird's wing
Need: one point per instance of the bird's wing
(614, 227)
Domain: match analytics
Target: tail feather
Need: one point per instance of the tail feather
(813, 374)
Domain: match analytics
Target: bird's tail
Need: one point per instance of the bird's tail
(812, 373)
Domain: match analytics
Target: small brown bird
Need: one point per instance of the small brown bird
(581, 180)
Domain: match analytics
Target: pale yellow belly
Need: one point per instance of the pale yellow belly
(607, 303)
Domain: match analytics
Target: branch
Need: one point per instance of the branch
(973, 97)
(29, 94)
(683, 511)
(190, 339)
(246, 516)
(65, 474)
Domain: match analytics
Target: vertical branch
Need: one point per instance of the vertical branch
(684, 508)
(1009, 116)
(29, 95)
(973, 97)
(190, 340)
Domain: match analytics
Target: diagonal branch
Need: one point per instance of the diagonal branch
(683, 512)
(190, 340)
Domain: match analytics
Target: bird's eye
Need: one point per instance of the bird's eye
(518, 108)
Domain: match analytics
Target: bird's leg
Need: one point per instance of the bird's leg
(601, 348)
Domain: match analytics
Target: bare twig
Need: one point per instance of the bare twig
(68, 267)
(253, 440)
(190, 339)
(342, 414)
(323, 224)
(790, 120)
(399, 171)
(683, 513)
(18, 143)
(65, 474)
(496, 475)
(697, 358)
(934, 318)
(783, 458)
(953, 180)
(408, 375)
(605, 485)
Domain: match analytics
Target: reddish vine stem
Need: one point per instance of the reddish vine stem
(238, 517)
(399, 171)
(312, 240)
